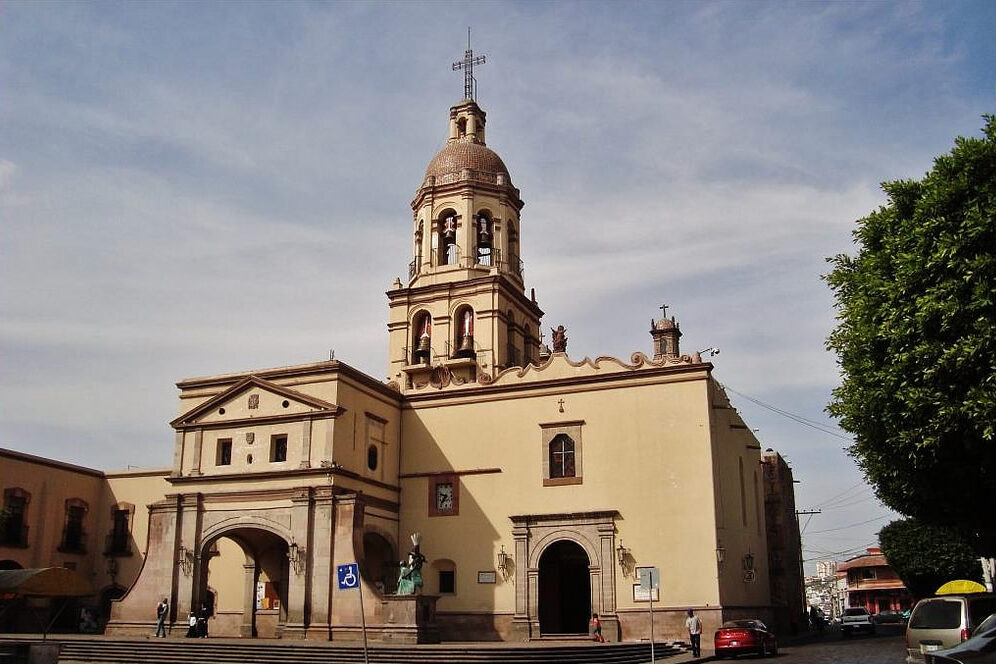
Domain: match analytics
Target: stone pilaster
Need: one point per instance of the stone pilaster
(306, 427)
(322, 572)
(298, 573)
(189, 509)
(247, 629)
(520, 622)
(198, 451)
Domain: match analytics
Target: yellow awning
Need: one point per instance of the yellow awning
(960, 587)
(44, 582)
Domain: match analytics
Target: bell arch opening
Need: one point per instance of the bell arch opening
(564, 589)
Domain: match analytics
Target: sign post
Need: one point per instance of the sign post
(349, 578)
(650, 580)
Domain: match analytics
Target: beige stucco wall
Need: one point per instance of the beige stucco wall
(646, 452)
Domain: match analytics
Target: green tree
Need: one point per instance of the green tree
(926, 556)
(916, 342)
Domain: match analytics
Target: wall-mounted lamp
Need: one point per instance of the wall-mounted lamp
(298, 558)
(720, 554)
(621, 554)
(185, 559)
(503, 562)
(709, 351)
(748, 562)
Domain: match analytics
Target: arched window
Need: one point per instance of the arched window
(446, 246)
(14, 526)
(445, 570)
(511, 351)
(463, 332)
(73, 534)
(372, 457)
(485, 238)
(422, 338)
(461, 127)
(562, 456)
(514, 263)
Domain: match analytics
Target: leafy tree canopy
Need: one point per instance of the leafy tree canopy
(916, 342)
(926, 557)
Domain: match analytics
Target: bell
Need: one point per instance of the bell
(467, 344)
(423, 350)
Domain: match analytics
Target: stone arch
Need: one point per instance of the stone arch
(571, 535)
(417, 324)
(219, 529)
(462, 332)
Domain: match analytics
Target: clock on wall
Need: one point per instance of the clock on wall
(444, 497)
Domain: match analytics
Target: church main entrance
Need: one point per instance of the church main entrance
(564, 589)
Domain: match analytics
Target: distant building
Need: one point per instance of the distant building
(784, 543)
(872, 584)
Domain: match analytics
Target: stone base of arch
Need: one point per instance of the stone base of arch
(595, 532)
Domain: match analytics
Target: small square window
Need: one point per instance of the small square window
(447, 582)
(224, 453)
(278, 448)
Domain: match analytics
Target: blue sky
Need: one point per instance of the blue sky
(196, 188)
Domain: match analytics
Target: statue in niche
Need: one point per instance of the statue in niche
(410, 575)
(559, 339)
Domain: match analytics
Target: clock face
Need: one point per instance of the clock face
(444, 497)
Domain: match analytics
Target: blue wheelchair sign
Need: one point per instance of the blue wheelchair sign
(349, 576)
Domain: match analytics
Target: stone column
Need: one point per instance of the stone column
(520, 621)
(178, 454)
(321, 570)
(306, 443)
(607, 604)
(198, 444)
(247, 628)
(297, 575)
(187, 593)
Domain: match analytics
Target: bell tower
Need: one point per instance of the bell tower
(464, 307)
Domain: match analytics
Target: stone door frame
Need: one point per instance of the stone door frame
(594, 532)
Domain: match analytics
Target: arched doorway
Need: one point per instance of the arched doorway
(564, 589)
(244, 582)
(108, 595)
(379, 564)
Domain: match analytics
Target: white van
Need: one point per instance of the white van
(945, 621)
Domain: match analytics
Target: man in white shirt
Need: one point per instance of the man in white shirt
(694, 626)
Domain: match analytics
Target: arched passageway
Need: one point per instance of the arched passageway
(564, 589)
(379, 564)
(244, 582)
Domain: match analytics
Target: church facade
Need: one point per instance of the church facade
(539, 484)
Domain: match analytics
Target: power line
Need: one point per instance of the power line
(853, 525)
(812, 424)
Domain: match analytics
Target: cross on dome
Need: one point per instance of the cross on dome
(467, 65)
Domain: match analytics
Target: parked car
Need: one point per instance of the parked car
(856, 620)
(945, 621)
(888, 617)
(979, 649)
(738, 637)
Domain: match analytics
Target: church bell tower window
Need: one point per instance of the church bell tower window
(447, 246)
(422, 338)
(464, 337)
(485, 234)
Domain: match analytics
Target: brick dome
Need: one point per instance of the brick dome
(462, 154)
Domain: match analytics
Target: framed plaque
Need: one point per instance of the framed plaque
(487, 577)
(641, 595)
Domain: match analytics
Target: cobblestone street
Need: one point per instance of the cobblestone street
(886, 647)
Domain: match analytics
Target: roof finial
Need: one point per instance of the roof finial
(467, 65)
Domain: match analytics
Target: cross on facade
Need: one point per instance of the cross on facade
(561, 402)
(467, 65)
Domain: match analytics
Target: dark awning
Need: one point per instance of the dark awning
(44, 582)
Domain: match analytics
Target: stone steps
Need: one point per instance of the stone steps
(108, 651)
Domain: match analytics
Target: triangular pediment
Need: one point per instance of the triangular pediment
(254, 398)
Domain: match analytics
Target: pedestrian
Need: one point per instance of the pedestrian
(694, 626)
(192, 626)
(202, 623)
(162, 610)
(596, 629)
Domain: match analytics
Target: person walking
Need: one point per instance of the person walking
(202, 622)
(694, 626)
(162, 610)
(192, 626)
(596, 629)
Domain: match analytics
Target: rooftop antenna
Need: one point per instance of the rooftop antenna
(467, 65)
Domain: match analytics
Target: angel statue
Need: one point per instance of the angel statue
(410, 576)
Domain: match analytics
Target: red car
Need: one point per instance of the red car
(737, 637)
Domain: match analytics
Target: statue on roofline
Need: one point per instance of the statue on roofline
(559, 339)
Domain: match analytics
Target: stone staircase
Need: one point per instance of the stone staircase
(152, 651)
